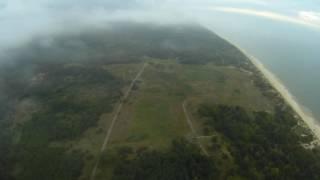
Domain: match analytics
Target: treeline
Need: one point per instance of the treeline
(129, 42)
(33, 162)
(5, 151)
(181, 161)
(263, 145)
(65, 114)
(71, 99)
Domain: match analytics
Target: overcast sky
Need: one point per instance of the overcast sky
(22, 19)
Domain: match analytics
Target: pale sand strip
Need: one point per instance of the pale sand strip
(287, 96)
(309, 120)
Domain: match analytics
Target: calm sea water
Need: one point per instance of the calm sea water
(291, 52)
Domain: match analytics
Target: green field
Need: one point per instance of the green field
(152, 116)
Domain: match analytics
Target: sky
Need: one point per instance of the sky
(20, 20)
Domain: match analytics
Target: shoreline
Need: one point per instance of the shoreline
(309, 120)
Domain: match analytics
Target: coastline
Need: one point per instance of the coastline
(285, 94)
(309, 120)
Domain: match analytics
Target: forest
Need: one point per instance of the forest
(183, 160)
(65, 114)
(263, 145)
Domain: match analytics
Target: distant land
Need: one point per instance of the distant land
(139, 101)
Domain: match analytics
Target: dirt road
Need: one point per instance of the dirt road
(115, 117)
(188, 119)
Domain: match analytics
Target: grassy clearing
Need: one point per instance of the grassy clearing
(224, 85)
(152, 116)
(156, 122)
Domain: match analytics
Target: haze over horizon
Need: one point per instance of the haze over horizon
(265, 20)
(21, 20)
(150, 89)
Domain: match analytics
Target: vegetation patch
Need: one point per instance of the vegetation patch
(72, 98)
(263, 145)
(181, 161)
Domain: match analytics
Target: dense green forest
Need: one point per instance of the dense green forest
(183, 160)
(65, 113)
(262, 145)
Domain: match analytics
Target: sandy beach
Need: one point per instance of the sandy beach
(309, 120)
(284, 92)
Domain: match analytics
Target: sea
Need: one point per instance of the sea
(290, 51)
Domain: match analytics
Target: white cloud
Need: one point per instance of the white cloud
(258, 2)
(20, 20)
(310, 19)
(310, 16)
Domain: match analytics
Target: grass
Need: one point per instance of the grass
(223, 85)
(156, 120)
(152, 116)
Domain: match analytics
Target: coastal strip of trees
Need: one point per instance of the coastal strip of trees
(263, 145)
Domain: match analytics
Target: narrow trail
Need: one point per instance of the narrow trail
(188, 119)
(210, 136)
(114, 119)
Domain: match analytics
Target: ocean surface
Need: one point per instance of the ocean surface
(291, 52)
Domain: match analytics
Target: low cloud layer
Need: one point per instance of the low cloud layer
(20, 20)
(310, 16)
